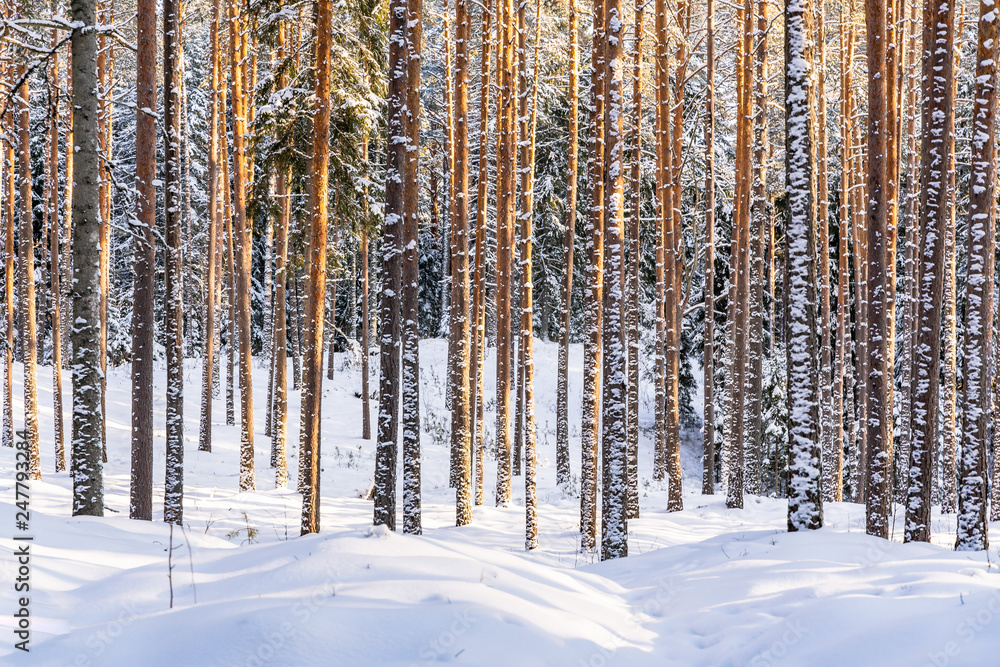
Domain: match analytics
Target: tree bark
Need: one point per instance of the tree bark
(972, 499)
(313, 367)
(805, 502)
(938, 125)
(88, 484)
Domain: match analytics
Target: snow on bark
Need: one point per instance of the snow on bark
(805, 504)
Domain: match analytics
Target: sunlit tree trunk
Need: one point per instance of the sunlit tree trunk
(241, 234)
(52, 203)
(478, 351)
(214, 216)
(313, 368)
(569, 241)
(590, 428)
(26, 278)
(708, 451)
(461, 436)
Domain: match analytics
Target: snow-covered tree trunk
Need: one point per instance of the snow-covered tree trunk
(590, 428)
(88, 484)
(674, 270)
(461, 435)
(9, 185)
(141, 484)
(632, 280)
(52, 204)
(972, 499)
(753, 457)
(614, 532)
(26, 278)
(478, 350)
(506, 168)
(173, 494)
(946, 491)
(410, 279)
(805, 503)
(878, 471)
(938, 123)
(389, 307)
(823, 254)
(662, 151)
(708, 447)
(569, 240)
(239, 54)
(910, 269)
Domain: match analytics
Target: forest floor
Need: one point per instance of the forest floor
(705, 586)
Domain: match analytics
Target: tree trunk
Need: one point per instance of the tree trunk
(26, 277)
(632, 285)
(461, 436)
(708, 446)
(614, 510)
(88, 484)
(410, 338)
(938, 121)
(506, 166)
(805, 503)
(590, 433)
(52, 187)
(241, 237)
(972, 526)
(174, 329)
(214, 216)
(389, 308)
(312, 398)
(141, 488)
(478, 351)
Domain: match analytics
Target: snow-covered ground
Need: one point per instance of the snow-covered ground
(706, 586)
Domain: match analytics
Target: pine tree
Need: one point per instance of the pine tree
(708, 364)
(312, 398)
(614, 510)
(569, 241)
(88, 485)
(972, 500)
(938, 121)
(805, 503)
(461, 436)
(409, 340)
(389, 308)
(239, 55)
(52, 204)
(141, 487)
(590, 433)
(174, 329)
(214, 216)
(26, 279)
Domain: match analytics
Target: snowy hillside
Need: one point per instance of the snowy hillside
(706, 586)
